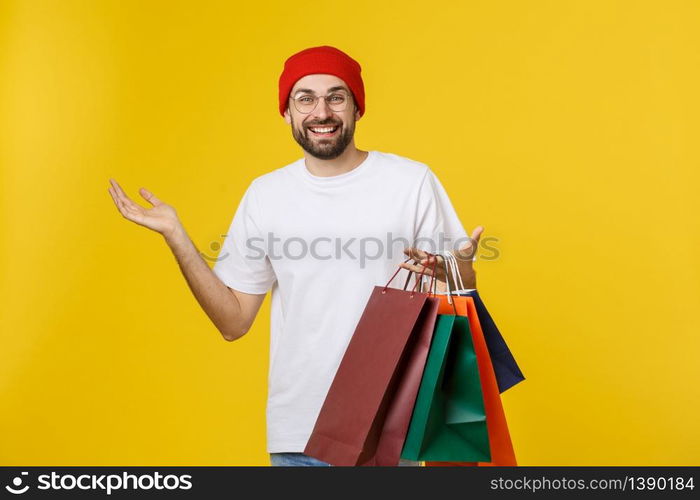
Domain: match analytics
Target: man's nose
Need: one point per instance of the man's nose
(321, 111)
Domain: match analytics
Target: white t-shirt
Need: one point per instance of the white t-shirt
(321, 244)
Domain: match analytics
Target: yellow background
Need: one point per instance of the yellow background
(568, 129)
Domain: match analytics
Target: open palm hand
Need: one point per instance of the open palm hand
(161, 218)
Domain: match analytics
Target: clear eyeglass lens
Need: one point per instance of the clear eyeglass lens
(306, 103)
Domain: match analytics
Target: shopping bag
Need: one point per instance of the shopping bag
(505, 367)
(366, 412)
(449, 421)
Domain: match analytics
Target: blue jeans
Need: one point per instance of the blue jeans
(301, 460)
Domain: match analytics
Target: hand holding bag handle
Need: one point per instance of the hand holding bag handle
(419, 278)
(433, 282)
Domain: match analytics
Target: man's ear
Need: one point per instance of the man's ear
(357, 113)
(287, 117)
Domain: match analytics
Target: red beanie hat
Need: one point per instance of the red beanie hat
(325, 60)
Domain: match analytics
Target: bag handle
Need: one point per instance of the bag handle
(409, 276)
(456, 268)
(446, 262)
(419, 278)
(433, 288)
(394, 275)
(410, 273)
(433, 281)
(456, 273)
(456, 276)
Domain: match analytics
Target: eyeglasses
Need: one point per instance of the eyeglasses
(306, 103)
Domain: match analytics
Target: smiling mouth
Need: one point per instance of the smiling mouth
(324, 131)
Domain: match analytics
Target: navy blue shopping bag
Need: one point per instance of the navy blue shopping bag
(504, 366)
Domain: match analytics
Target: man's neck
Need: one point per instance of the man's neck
(351, 158)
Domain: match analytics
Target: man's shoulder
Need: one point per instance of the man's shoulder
(275, 179)
(401, 166)
(400, 160)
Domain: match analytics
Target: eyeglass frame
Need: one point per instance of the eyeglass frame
(318, 99)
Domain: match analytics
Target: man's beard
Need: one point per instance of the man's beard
(324, 148)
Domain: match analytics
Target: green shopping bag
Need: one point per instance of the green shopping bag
(449, 421)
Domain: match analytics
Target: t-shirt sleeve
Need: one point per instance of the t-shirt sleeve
(438, 227)
(243, 263)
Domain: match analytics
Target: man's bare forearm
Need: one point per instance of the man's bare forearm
(213, 295)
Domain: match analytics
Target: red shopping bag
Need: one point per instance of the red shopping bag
(367, 410)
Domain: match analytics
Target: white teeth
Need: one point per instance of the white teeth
(323, 130)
